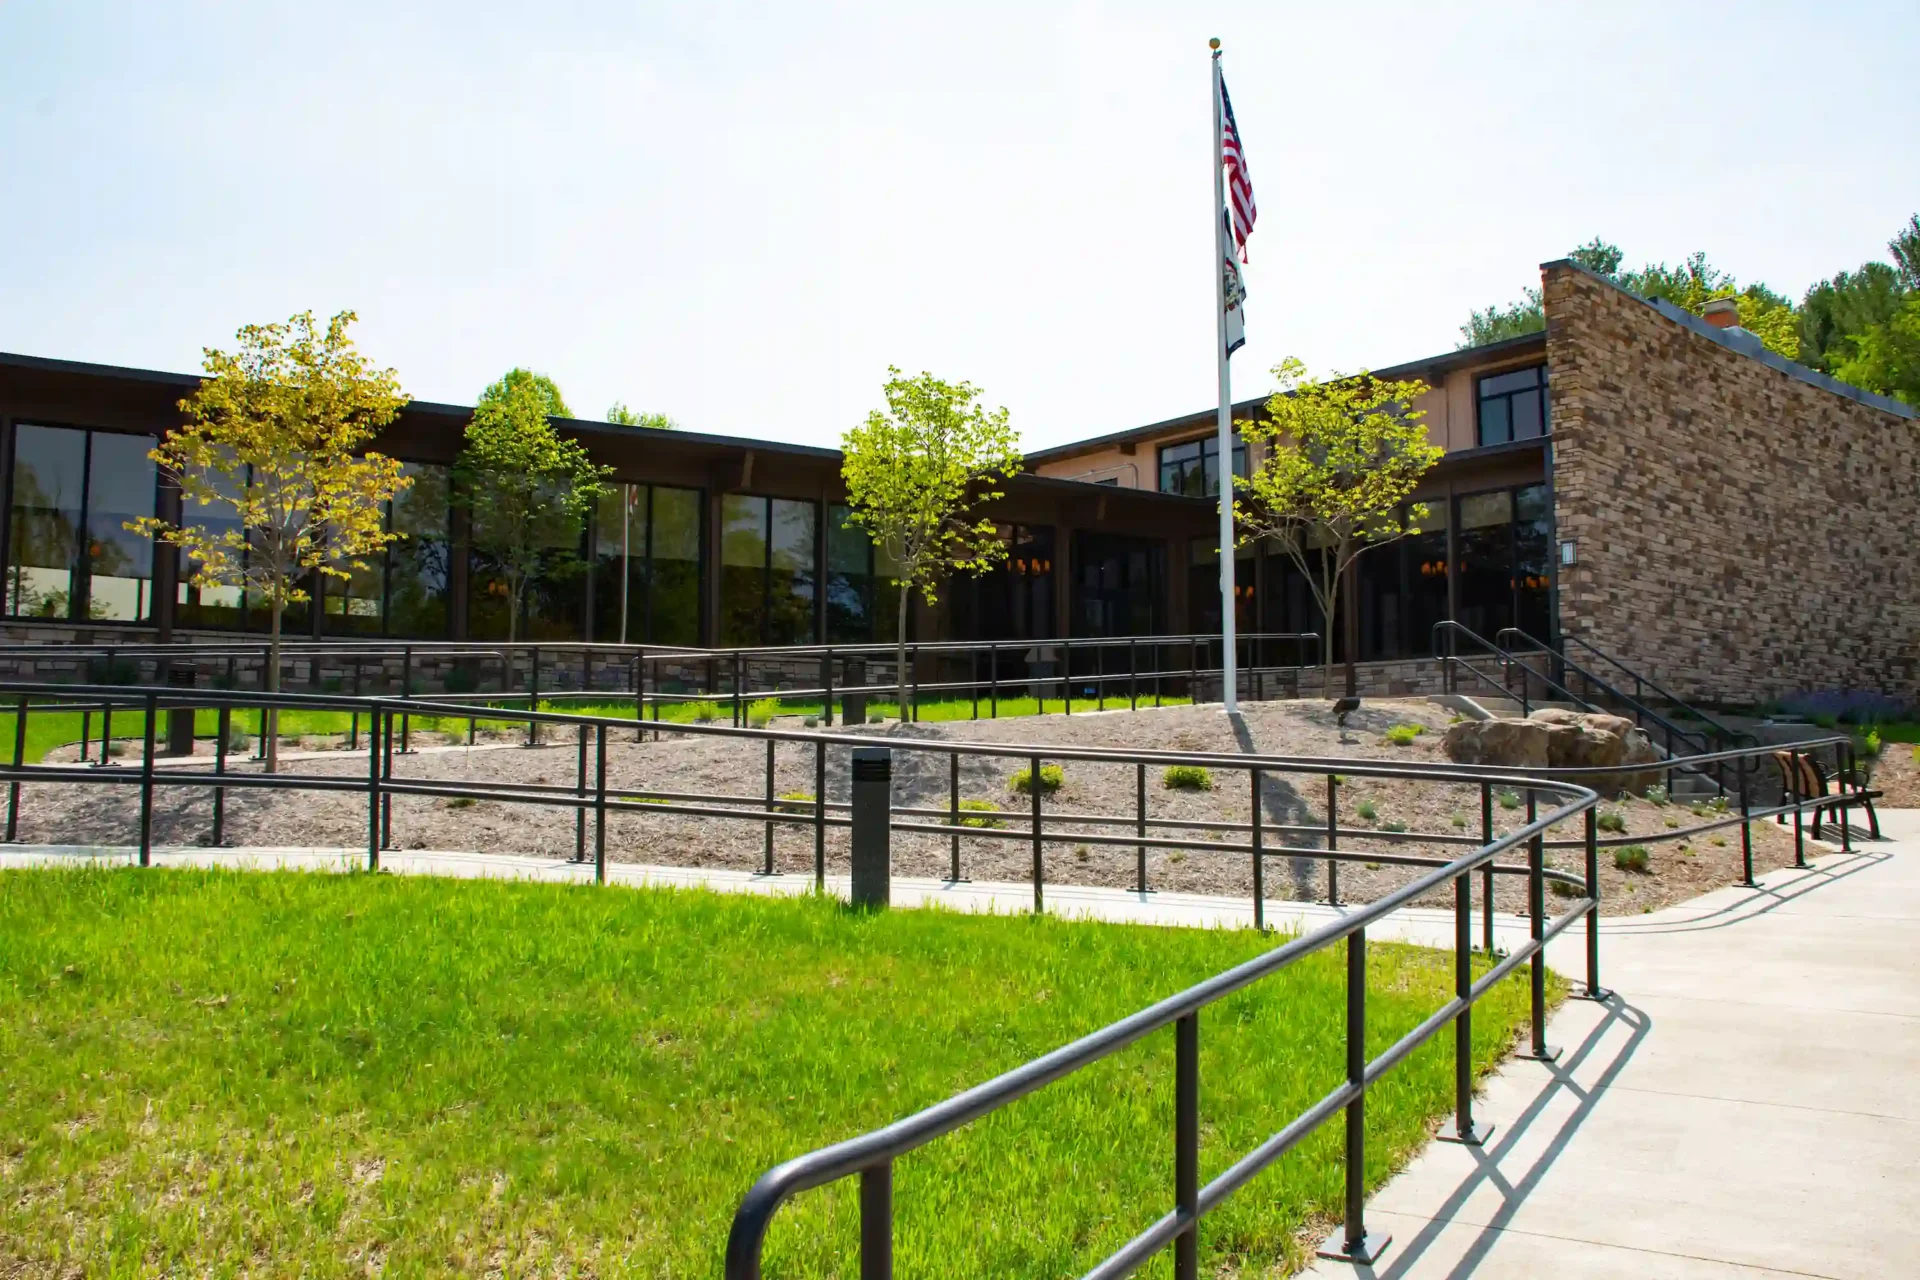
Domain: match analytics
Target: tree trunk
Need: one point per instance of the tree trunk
(1352, 637)
(270, 718)
(900, 650)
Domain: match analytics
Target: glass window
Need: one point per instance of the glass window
(849, 594)
(791, 579)
(1513, 406)
(620, 564)
(743, 569)
(49, 492)
(674, 530)
(1426, 567)
(217, 606)
(767, 571)
(120, 486)
(1192, 467)
(1532, 561)
(1012, 601)
(1117, 585)
(419, 565)
(1486, 561)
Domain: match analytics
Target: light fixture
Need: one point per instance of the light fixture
(1566, 552)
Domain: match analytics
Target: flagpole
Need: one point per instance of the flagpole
(1229, 676)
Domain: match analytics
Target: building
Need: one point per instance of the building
(1636, 478)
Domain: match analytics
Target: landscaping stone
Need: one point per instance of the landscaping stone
(1516, 744)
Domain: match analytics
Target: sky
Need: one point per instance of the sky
(741, 215)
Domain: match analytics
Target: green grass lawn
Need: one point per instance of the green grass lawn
(48, 729)
(218, 1073)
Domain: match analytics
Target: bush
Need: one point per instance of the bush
(811, 722)
(1367, 810)
(1657, 795)
(119, 671)
(1561, 889)
(1187, 777)
(1611, 820)
(704, 712)
(761, 713)
(460, 802)
(1402, 735)
(1509, 799)
(794, 802)
(1396, 826)
(1459, 820)
(979, 806)
(461, 679)
(1051, 777)
(239, 741)
(1869, 746)
(876, 718)
(1631, 857)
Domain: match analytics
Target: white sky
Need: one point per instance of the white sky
(740, 215)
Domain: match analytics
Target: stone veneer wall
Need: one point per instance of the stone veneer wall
(1741, 531)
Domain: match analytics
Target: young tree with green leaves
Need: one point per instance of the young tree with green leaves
(275, 440)
(916, 474)
(1341, 458)
(621, 416)
(526, 489)
(552, 403)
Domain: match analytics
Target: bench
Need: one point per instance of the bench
(1810, 780)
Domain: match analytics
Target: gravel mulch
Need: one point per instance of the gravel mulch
(722, 767)
(1898, 774)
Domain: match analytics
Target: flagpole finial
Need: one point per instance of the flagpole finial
(1214, 44)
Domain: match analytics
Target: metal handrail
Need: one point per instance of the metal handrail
(1725, 732)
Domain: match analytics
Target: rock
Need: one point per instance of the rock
(1619, 726)
(1578, 746)
(1514, 744)
(1639, 751)
(1556, 715)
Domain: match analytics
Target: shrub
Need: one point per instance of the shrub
(1396, 826)
(1367, 810)
(1561, 889)
(1869, 746)
(1402, 735)
(1459, 820)
(761, 713)
(1187, 777)
(1611, 820)
(876, 718)
(1509, 799)
(1631, 857)
(704, 712)
(794, 802)
(461, 679)
(811, 722)
(1673, 824)
(979, 806)
(1657, 795)
(239, 741)
(1080, 853)
(460, 802)
(1051, 777)
(118, 671)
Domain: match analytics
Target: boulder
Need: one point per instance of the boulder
(1639, 751)
(1513, 744)
(1619, 726)
(1578, 746)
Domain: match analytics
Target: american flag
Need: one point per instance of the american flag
(1239, 185)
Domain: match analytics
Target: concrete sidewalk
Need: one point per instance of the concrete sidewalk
(1747, 1105)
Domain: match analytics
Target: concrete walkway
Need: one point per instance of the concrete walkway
(1747, 1105)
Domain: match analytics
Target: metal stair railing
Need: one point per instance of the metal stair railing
(1641, 684)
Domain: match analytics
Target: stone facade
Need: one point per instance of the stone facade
(1741, 530)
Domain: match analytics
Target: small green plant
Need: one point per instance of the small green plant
(1656, 795)
(703, 712)
(1611, 820)
(1367, 810)
(811, 722)
(461, 802)
(116, 749)
(1177, 856)
(1394, 825)
(1719, 841)
(794, 802)
(1631, 857)
(1402, 735)
(1673, 824)
(1459, 821)
(1509, 799)
(876, 718)
(979, 806)
(1561, 889)
(760, 714)
(1869, 746)
(1051, 778)
(1187, 777)
(1080, 853)
(238, 741)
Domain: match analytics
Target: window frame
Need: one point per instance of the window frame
(1204, 447)
(1481, 398)
(80, 589)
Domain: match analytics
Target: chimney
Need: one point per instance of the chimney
(1723, 313)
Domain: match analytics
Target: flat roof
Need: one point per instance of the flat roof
(1442, 363)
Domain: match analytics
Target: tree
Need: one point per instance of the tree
(276, 436)
(552, 403)
(527, 490)
(1836, 312)
(621, 416)
(1887, 355)
(1342, 458)
(1496, 324)
(916, 474)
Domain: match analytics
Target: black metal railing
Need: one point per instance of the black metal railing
(1720, 734)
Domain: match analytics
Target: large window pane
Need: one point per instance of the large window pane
(1513, 406)
(849, 594)
(216, 607)
(674, 607)
(743, 569)
(791, 579)
(620, 564)
(1192, 467)
(1486, 562)
(1532, 567)
(418, 565)
(49, 477)
(120, 485)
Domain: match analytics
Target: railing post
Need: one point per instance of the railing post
(993, 674)
(146, 782)
(876, 1221)
(1537, 1047)
(533, 694)
(973, 679)
(600, 804)
(1350, 1242)
(1140, 827)
(819, 815)
(579, 792)
(1463, 1130)
(406, 694)
(1333, 839)
(953, 812)
(1186, 1145)
(223, 726)
(373, 789)
(737, 706)
(1259, 859)
(872, 826)
(106, 732)
(1594, 990)
(1039, 863)
(86, 731)
(19, 763)
(1746, 830)
(386, 772)
(1799, 836)
(826, 682)
(1066, 681)
(766, 858)
(1486, 874)
(353, 722)
(1846, 789)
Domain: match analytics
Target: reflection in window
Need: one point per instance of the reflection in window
(1513, 406)
(120, 483)
(1011, 601)
(1192, 467)
(851, 606)
(1117, 585)
(767, 571)
(70, 554)
(419, 565)
(647, 566)
(673, 608)
(218, 606)
(743, 569)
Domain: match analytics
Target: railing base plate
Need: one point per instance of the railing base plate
(1368, 1252)
(1477, 1136)
(1599, 994)
(1549, 1054)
